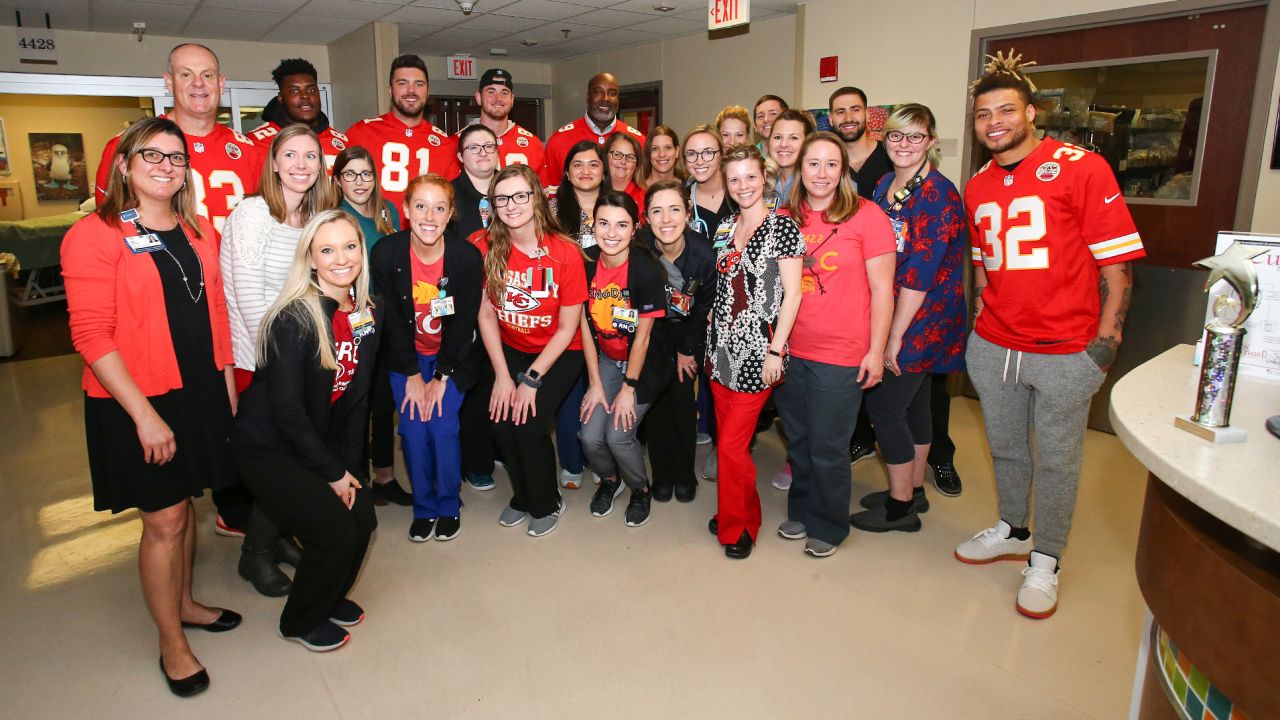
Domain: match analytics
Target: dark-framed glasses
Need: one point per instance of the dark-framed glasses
(913, 138)
(353, 175)
(708, 155)
(477, 148)
(154, 156)
(520, 198)
(620, 156)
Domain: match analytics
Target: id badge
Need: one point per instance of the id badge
(484, 213)
(441, 307)
(361, 323)
(723, 235)
(900, 233)
(679, 302)
(588, 240)
(626, 319)
(148, 243)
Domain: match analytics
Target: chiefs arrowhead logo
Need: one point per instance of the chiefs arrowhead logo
(519, 300)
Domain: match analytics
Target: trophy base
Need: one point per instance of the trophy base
(1228, 434)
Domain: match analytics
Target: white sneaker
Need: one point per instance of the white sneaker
(993, 544)
(1038, 596)
(703, 439)
(782, 480)
(570, 481)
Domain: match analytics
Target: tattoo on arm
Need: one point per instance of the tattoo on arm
(1103, 351)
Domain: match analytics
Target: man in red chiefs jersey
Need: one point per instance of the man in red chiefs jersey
(225, 165)
(1052, 244)
(598, 124)
(298, 101)
(495, 97)
(403, 143)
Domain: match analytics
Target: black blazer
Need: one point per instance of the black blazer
(697, 262)
(287, 407)
(393, 274)
(646, 282)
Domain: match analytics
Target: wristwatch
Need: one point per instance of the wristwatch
(437, 375)
(631, 382)
(529, 378)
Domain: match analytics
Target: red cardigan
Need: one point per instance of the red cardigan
(117, 304)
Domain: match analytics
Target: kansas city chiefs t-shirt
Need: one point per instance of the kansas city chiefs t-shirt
(426, 287)
(537, 287)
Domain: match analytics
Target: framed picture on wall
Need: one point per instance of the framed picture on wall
(57, 162)
(4, 151)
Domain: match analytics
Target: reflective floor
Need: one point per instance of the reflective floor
(596, 619)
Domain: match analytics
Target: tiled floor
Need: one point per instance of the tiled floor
(594, 620)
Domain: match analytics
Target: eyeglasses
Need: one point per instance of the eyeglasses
(520, 198)
(153, 156)
(627, 158)
(352, 175)
(708, 155)
(913, 138)
(487, 149)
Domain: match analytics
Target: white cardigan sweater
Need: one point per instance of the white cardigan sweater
(256, 255)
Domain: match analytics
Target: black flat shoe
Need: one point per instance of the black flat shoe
(740, 549)
(187, 686)
(686, 494)
(713, 526)
(228, 620)
(662, 493)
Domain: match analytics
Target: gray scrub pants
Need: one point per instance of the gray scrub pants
(610, 452)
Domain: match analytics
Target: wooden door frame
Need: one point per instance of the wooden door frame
(1260, 111)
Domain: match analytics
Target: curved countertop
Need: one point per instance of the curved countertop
(1237, 483)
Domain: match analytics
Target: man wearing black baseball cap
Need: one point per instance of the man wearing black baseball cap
(495, 97)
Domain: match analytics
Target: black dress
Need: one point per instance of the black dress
(199, 413)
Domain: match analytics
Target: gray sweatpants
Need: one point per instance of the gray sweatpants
(612, 452)
(1046, 397)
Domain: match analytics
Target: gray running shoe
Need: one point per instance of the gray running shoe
(709, 467)
(544, 525)
(818, 548)
(511, 517)
(792, 530)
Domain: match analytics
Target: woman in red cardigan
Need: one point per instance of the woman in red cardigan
(149, 317)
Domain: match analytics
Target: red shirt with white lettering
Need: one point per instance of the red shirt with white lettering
(519, 146)
(426, 287)
(332, 142)
(346, 351)
(402, 153)
(1041, 231)
(560, 142)
(225, 169)
(537, 287)
(608, 291)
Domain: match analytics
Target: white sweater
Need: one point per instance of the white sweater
(256, 255)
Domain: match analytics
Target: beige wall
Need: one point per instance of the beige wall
(96, 53)
(698, 76)
(359, 90)
(96, 119)
(1266, 213)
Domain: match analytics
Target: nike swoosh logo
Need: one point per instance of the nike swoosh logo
(1113, 197)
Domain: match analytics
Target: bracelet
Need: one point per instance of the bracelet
(775, 353)
(525, 379)
(631, 382)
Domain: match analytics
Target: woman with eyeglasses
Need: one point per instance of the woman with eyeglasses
(626, 360)
(357, 184)
(148, 316)
(258, 241)
(764, 112)
(788, 132)
(758, 257)
(661, 159)
(734, 125)
(431, 295)
(535, 285)
(928, 330)
(837, 344)
(690, 265)
(623, 152)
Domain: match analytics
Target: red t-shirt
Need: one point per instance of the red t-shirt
(536, 290)
(426, 287)
(347, 352)
(402, 153)
(608, 291)
(1041, 231)
(562, 140)
(638, 195)
(834, 322)
(332, 142)
(225, 168)
(518, 146)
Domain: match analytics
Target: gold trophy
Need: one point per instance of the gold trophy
(1223, 344)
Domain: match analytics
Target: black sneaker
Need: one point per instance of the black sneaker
(877, 521)
(858, 452)
(447, 528)
(422, 529)
(946, 479)
(638, 508)
(878, 500)
(346, 613)
(324, 638)
(390, 493)
(602, 501)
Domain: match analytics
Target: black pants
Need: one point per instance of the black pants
(671, 435)
(382, 418)
(334, 539)
(527, 448)
(899, 412)
(943, 450)
(475, 430)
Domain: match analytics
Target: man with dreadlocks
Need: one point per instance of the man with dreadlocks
(1052, 244)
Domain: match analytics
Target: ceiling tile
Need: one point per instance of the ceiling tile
(593, 3)
(541, 9)
(193, 3)
(611, 18)
(426, 16)
(62, 13)
(123, 24)
(672, 26)
(149, 12)
(226, 30)
(347, 9)
(646, 6)
(268, 5)
(312, 30)
(551, 32)
(500, 23)
(413, 31)
(248, 20)
(463, 35)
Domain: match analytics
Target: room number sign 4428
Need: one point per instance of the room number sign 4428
(36, 44)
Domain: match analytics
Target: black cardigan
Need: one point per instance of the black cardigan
(393, 274)
(287, 407)
(466, 209)
(659, 360)
(697, 262)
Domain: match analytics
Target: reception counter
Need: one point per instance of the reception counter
(1208, 558)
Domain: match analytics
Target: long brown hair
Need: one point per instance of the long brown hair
(645, 174)
(120, 196)
(846, 202)
(381, 216)
(319, 197)
(499, 237)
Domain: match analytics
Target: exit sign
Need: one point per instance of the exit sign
(461, 67)
(723, 14)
